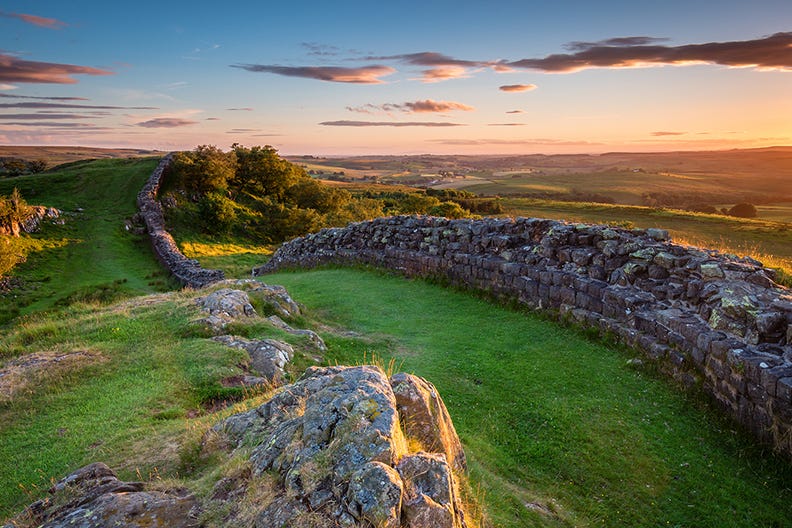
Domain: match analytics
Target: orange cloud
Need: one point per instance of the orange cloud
(664, 133)
(166, 122)
(444, 73)
(442, 67)
(412, 107)
(362, 75)
(389, 124)
(50, 23)
(14, 70)
(517, 87)
(773, 52)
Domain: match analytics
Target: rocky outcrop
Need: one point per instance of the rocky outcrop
(336, 443)
(268, 357)
(32, 222)
(187, 271)
(706, 318)
(93, 497)
(332, 449)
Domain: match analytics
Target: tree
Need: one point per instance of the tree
(743, 210)
(205, 169)
(449, 210)
(13, 211)
(261, 172)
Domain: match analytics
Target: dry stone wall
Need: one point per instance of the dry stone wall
(187, 271)
(705, 318)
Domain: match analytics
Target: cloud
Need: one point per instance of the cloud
(516, 112)
(444, 73)
(389, 124)
(772, 52)
(442, 67)
(9, 96)
(166, 122)
(50, 23)
(56, 124)
(244, 109)
(412, 107)
(15, 70)
(242, 130)
(617, 41)
(664, 133)
(321, 50)
(68, 105)
(517, 87)
(44, 116)
(521, 142)
(362, 75)
(506, 124)
(4, 86)
(212, 119)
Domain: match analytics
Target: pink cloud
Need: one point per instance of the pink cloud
(412, 107)
(50, 23)
(517, 87)
(389, 124)
(15, 70)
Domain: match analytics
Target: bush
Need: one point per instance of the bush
(743, 210)
(217, 213)
(449, 210)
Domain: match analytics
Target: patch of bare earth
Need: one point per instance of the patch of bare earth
(20, 375)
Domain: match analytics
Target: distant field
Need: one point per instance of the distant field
(58, 155)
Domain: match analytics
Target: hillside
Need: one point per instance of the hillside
(58, 155)
(560, 428)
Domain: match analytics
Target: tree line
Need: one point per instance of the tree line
(253, 193)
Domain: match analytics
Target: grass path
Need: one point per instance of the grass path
(91, 251)
(559, 430)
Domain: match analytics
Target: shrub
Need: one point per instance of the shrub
(449, 210)
(743, 210)
(217, 213)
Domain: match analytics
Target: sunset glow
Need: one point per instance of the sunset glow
(322, 78)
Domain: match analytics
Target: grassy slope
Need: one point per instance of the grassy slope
(550, 418)
(92, 248)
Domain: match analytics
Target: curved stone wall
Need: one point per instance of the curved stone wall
(707, 319)
(187, 271)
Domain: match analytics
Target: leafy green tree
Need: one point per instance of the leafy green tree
(205, 169)
(9, 255)
(310, 194)
(261, 172)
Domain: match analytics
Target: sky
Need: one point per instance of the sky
(436, 77)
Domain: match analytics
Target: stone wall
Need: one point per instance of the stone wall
(707, 319)
(187, 271)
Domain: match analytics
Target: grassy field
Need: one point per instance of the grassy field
(58, 155)
(91, 254)
(559, 428)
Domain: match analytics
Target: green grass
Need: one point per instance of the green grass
(92, 250)
(549, 417)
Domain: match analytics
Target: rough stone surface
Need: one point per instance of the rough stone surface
(93, 497)
(268, 357)
(686, 308)
(335, 440)
(187, 271)
(429, 421)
